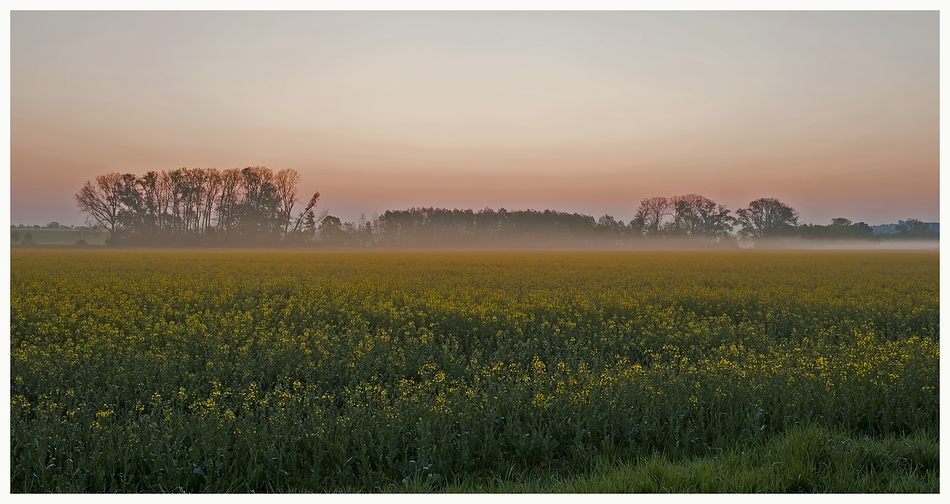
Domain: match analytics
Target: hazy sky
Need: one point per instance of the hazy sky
(835, 113)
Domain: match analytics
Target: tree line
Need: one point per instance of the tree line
(692, 218)
(254, 205)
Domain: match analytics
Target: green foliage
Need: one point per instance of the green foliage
(804, 459)
(231, 371)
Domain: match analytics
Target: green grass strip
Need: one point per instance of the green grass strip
(803, 460)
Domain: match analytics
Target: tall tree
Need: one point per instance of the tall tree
(285, 184)
(699, 216)
(331, 231)
(305, 225)
(150, 189)
(650, 214)
(229, 198)
(258, 210)
(209, 192)
(132, 204)
(102, 201)
(193, 202)
(767, 217)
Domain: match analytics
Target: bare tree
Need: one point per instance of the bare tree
(149, 186)
(649, 217)
(102, 201)
(164, 196)
(191, 186)
(305, 224)
(286, 185)
(228, 199)
(212, 185)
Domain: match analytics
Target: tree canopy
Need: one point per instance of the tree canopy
(767, 218)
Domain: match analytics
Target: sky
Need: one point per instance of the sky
(835, 113)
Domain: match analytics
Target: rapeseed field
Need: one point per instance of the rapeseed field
(302, 371)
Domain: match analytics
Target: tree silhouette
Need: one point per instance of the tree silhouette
(102, 201)
(839, 229)
(195, 205)
(699, 216)
(914, 228)
(766, 217)
(649, 216)
(331, 231)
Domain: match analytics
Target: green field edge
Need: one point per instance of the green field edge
(803, 460)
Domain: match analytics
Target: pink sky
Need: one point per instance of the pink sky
(835, 113)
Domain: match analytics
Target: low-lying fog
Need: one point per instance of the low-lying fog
(802, 244)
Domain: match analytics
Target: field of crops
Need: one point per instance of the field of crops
(290, 371)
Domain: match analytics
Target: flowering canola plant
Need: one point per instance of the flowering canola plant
(299, 370)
